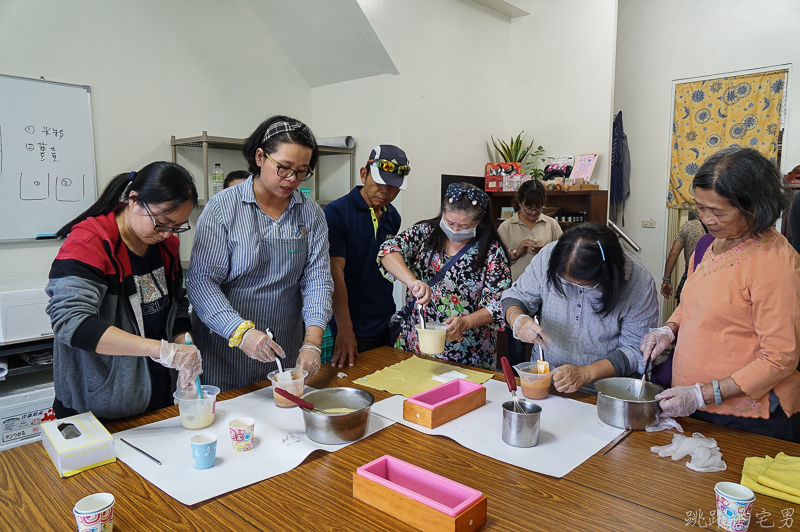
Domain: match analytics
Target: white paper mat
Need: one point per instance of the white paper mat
(570, 431)
(168, 441)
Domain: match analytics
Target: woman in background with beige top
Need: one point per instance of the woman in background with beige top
(524, 234)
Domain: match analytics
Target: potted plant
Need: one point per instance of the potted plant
(515, 151)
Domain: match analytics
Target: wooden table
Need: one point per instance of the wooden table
(630, 488)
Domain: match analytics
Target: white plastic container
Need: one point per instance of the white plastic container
(431, 338)
(197, 413)
(22, 310)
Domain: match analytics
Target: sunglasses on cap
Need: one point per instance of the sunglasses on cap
(390, 166)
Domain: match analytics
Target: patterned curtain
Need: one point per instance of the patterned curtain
(713, 114)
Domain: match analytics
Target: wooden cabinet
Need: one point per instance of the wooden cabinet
(206, 141)
(593, 202)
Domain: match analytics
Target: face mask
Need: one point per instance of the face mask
(456, 236)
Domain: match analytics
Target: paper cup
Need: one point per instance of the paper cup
(734, 503)
(241, 431)
(95, 513)
(204, 450)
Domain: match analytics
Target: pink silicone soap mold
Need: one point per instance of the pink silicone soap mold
(430, 489)
(446, 393)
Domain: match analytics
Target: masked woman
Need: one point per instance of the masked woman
(596, 301)
(259, 278)
(117, 305)
(467, 298)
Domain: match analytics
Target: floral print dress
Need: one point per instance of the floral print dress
(459, 293)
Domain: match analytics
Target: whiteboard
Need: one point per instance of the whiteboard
(47, 172)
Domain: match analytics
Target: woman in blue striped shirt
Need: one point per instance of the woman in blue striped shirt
(259, 266)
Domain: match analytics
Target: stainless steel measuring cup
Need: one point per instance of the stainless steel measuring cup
(521, 429)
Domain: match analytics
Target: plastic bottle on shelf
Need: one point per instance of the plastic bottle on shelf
(217, 178)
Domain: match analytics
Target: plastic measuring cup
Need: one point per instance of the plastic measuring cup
(534, 385)
(294, 386)
(431, 338)
(197, 413)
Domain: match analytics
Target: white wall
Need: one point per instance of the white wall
(563, 78)
(658, 42)
(443, 105)
(367, 109)
(156, 69)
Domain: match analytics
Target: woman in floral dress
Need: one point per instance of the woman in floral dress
(467, 298)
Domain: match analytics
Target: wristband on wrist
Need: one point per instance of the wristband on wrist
(717, 392)
(312, 334)
(666, 280)
(238, 334)
(312, 347)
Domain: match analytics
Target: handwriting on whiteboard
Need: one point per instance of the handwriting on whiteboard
(45, 145)
(42, 186)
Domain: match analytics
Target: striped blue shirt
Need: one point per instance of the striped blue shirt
(230, 253)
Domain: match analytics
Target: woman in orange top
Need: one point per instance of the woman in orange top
(736, 359)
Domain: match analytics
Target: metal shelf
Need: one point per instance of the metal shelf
(206, 141)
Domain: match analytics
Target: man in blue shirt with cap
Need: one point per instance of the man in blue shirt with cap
(358, 224)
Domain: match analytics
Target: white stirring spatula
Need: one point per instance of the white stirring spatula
(541, 350)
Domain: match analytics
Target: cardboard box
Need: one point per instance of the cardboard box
(495, 172)
(589, 187)
(25, 403)
(78, 443)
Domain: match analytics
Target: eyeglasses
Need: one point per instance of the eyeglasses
(576, 285)
(391, 166)
(526, 210)
(161, 228)
(285, 172)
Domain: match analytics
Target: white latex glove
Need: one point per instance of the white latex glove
(260, 346)
(654, 342)
(663, 422)
(681, 401)
(707, 460)
(528, 331)
(310, 360)
(705, 453)
(185, 358)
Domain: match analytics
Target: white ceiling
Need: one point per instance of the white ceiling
(328, 41)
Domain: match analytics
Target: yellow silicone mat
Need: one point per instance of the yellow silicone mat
(413, 376)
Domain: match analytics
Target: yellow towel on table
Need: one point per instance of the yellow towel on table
(782, 474)
(777, 477)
